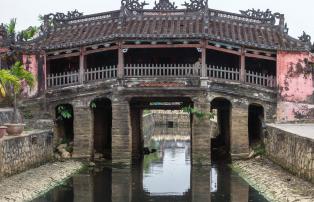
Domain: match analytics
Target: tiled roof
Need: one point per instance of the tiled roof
(212, 25)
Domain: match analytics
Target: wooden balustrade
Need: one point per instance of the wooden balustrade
(166, 70)
(260, 79)
(100, 73)
(225, 73)
(63, 79)
(153, 70)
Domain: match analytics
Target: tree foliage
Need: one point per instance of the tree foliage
(199, 114)
(64, 112)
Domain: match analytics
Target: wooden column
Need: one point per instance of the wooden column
(242, 65)
(203, 70)
(82, 65)
(120, 62)
(45, 69)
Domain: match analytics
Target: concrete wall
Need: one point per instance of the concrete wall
(290, 151)
(20, 153)
(296, 87)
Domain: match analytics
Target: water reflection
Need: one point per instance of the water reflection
(165, 176)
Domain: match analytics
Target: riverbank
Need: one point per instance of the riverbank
(273, 182)
(35, 182)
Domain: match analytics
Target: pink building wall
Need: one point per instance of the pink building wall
(296, 86)
(30, 63)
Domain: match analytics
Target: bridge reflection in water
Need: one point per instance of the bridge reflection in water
(166, 176)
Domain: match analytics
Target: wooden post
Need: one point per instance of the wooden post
(45, 68)
(203, 70)
(120, 62)
(82, 65)
(242, 65)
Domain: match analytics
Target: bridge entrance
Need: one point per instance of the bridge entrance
(139, 107)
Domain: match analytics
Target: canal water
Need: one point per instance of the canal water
(166, 175)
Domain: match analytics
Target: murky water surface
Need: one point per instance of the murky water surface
(165, 176)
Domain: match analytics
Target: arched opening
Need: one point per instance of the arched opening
(102, 111)
(64, 123)
(221, 138)
(255, 123)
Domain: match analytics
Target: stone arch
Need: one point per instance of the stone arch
(64, 116)
(256, 122)
(101, 109)
(221, 140)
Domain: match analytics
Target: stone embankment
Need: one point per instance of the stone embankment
(273, 182)
(35, 182)
(20, 153)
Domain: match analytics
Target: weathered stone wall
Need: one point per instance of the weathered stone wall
(20, 153)
(296, 87)
(290, 151)
(179, 119)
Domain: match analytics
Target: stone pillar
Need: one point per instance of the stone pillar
(200, 184)
(83, 188)
(83, 124)
(201, 140)
(121, 133)
(239, 132)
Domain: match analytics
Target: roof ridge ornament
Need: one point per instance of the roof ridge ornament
(133, 5)
(305, 38)
(164, 5)
(266, 16)
(60, 18)
(196, 5)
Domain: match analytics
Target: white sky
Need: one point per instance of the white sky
(299, 13)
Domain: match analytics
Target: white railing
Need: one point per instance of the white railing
(165, 70)
(100, 73)
(153, 71)
(260, 79)
(62, 79)
(225, 73)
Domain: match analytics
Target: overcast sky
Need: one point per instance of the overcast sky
(299, 14)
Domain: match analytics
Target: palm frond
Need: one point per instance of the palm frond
(22, 74)
(11, 26)
(8, 80)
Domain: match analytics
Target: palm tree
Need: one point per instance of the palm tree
(6, 80)
(25, 78)
(11, 28)
(12, 81)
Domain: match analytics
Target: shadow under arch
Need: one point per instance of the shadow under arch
(102, 136)
(64, 116)
(220, 143)
(256, 123)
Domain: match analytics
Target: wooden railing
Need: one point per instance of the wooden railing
(167, 70)
(62, 79)
(225, 73)
(260, 79)
(100, 73)
(153, 71)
